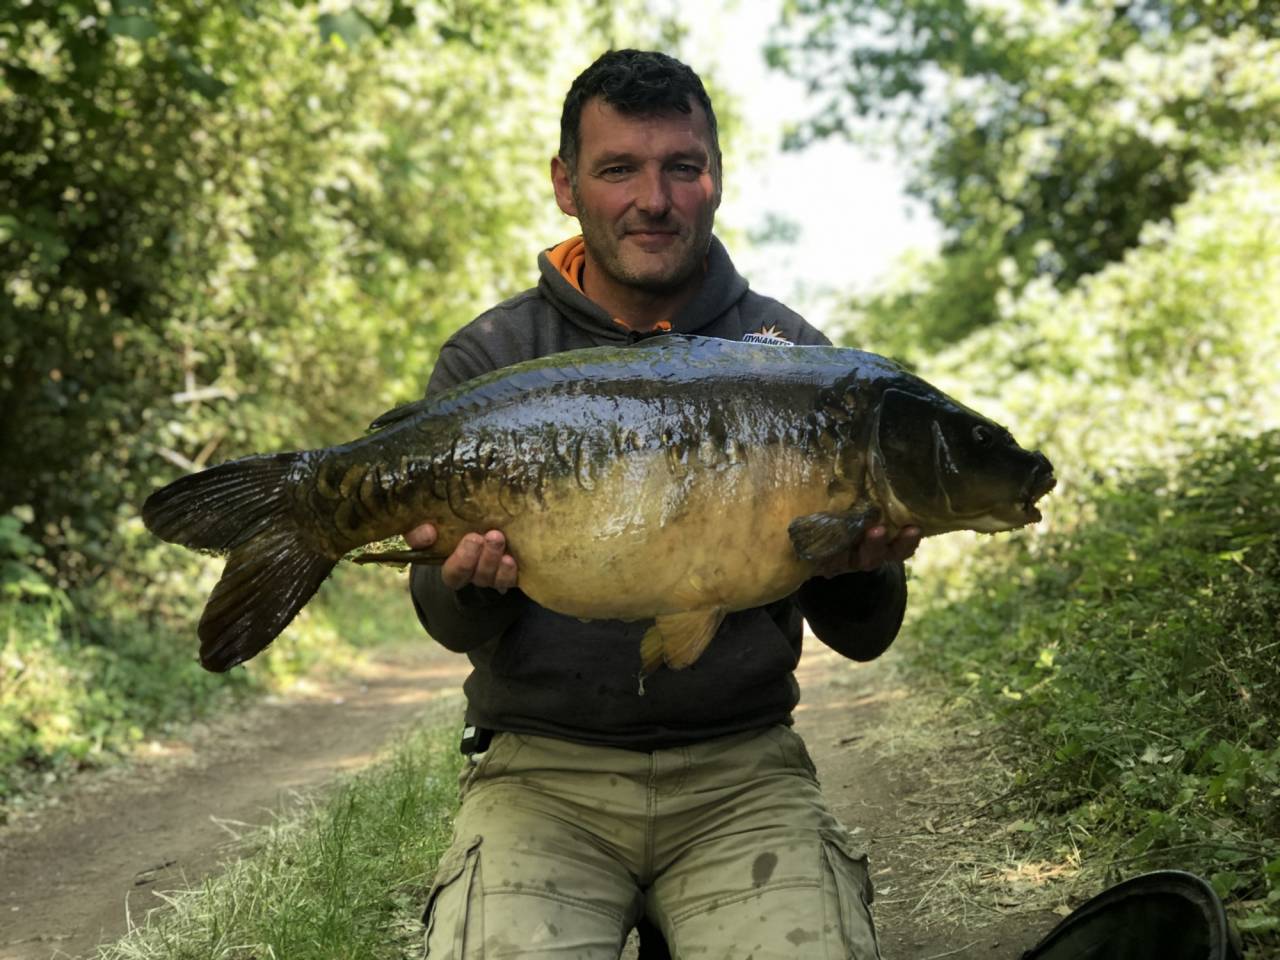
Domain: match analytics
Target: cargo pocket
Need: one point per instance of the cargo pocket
(450, 901)
(849, 894)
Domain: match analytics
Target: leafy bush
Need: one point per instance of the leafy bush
(1127, 649)
(1135, 663)
(85, 674)
(1150, 357)
(223, 222)
(65, 695)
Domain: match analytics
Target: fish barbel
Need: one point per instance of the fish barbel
(677, 480)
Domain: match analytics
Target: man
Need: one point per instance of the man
(694, 805)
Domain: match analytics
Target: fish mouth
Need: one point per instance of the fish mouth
(1041, 481)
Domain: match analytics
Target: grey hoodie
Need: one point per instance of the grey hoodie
(538, 672)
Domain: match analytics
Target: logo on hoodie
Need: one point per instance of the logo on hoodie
(768, 335)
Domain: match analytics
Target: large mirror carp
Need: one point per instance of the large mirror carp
(677, 480)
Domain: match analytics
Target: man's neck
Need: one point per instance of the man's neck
(641, 310)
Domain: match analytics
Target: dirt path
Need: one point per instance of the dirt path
(940, 891)
(72, 876)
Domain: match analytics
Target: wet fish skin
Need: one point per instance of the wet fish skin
(680, 480)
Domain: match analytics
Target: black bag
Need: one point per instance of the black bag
(1166, 915)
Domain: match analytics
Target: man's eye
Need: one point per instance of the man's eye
(687, 171)
(615, 172)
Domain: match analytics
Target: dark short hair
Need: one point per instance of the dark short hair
(636, 82)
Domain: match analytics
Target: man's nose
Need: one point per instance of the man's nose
(653, 195)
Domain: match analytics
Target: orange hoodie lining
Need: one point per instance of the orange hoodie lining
(569, 257)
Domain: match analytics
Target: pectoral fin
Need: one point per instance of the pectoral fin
(822, 535)
(678, 639)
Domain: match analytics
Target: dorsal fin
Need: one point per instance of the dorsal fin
(396, 414)
(664, 340)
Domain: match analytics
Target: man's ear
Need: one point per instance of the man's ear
(563, 187)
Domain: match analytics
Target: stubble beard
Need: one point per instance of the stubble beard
(604, 244)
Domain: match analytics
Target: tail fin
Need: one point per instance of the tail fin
(242, 507)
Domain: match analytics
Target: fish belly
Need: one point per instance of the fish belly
(651, 539)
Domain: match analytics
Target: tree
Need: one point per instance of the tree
(1043, 135)
(234, 226)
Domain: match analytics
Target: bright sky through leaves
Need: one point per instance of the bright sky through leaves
(854, 218)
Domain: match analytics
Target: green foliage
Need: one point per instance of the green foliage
(1188, 313)
(1151, 357)
(1135, 663)
(288, 219)
(349, 880)
(1127, 649)
(925, 302)
(67, 699)
(1044, 136)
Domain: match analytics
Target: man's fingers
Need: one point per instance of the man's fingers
(877, 549)
(874, 550)
(904, 545)
(870, 552)
(494, 545)
(480, 560)
(460, 567)
(507, 575)
(421, 537)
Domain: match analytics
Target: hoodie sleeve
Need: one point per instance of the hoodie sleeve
(856, 614)
(456, 364)
(811, 336)
(460, 620)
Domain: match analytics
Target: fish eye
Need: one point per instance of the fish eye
(982, 436)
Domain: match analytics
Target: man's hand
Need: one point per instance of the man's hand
(479, 560)
(873, 551)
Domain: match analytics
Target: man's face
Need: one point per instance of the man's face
(645, 193)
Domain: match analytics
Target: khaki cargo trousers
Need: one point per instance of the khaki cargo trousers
(727, 845)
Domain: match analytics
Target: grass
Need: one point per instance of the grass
(1129, 670)
(347, 878)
